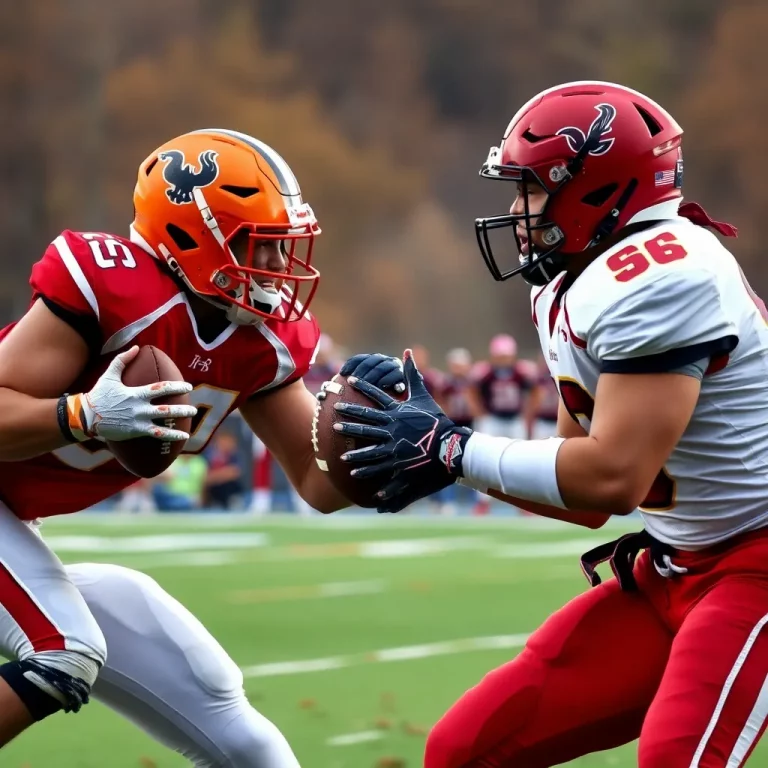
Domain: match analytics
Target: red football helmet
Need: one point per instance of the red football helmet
(602, 153)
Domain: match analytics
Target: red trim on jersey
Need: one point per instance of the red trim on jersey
(533, 306)
(717, 363)
(580, 343)
(41, 632)
(554, 307)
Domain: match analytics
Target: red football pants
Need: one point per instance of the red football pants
(682, 664)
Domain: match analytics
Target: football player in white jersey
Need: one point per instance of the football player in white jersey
(660, 351)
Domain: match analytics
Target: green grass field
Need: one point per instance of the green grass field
(287, 590)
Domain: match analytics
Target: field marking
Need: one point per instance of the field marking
(179, 560)
(360, 737)
(345, 520)
(542, 549)
(309, 591)
(167, 542)
(385, 655)
(202, 548)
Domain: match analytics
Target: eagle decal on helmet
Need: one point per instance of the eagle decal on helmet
(601, 126)
(183, 178)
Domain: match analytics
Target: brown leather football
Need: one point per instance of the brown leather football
(147, 456)
(329, 445)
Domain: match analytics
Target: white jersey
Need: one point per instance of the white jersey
(674, 287)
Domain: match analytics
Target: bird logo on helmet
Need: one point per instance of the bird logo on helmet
(231, 224)
(183, 180)
(601, 126)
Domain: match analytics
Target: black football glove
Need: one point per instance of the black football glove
(415, 450)
(380, 370)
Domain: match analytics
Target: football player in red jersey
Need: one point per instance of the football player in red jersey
(217, 272)
(659, 350)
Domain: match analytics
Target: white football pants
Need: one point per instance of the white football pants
(163, 671)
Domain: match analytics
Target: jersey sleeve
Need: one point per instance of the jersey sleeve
(300, 340)
(59, 277)
(675, 319)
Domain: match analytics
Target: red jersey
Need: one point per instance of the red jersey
(136, 301)
(501, 389)
(455, 399)
(433, 381)
(550, 401)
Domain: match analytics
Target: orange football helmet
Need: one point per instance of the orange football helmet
(197, 192)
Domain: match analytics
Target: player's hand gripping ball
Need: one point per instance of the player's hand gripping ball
(149, 456)
(380, 370)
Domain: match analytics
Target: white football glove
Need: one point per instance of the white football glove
(113, 411)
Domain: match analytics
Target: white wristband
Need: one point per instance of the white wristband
(526, 469)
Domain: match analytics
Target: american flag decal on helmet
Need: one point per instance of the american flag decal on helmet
(664, 178)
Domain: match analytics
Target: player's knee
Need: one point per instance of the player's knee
(49, 681)
(251, 741)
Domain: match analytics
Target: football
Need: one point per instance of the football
(329, 445)
(147, 456)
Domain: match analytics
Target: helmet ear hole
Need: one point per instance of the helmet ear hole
(599, 197)
(183, 240)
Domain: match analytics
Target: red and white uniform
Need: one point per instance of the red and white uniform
(455, 400)
(502, 393)
(681, 663)
(136, 301)
(163, 670)
(546, 416)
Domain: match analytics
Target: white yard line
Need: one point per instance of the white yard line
(345, 520)
(309, 591)
(168, 542)
(201, 548)
(542, 549)
(360, 737)
(403, 653)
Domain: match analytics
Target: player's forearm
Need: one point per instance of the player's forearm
(315, 487)
(584, 518)
(573, 474)
(29, 426)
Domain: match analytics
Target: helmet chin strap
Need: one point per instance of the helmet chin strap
(258, 298)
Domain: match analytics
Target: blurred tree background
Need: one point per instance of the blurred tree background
(385, 111)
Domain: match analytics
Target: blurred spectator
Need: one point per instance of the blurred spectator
(458, 398)
(503, 386)
(432, 377)
(547, 401)
(271, 486)
(180, 488)
(325, 366)
(261, 496)
(433, 381)
(224, 481)
(136, 498)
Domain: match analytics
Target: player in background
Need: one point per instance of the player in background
(217, 272)
(459, 401)
(433, 378)
(458, 396)
(660, 351)
(546, 402)
(503, 387)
